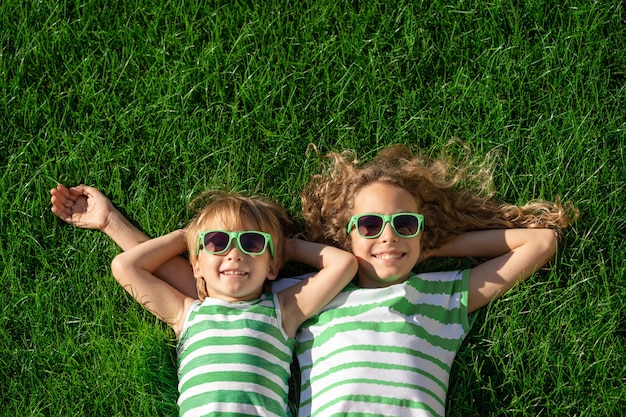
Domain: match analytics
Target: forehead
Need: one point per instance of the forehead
(383, 198)
(231, 222)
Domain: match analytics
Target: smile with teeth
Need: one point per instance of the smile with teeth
(388, 256)
(231, 272)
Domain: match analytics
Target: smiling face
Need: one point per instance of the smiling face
(387, 259)
(234, 276)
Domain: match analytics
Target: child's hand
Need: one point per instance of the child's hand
(182, 237)
(82, 206)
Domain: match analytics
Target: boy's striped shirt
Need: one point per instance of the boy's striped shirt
(233, 358)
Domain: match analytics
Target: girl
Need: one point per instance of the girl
(386, 347)
(235, 341)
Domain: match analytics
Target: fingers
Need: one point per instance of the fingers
(60, 210)
(61, 196)
(82, 206)
(87, 191)
(82, 189)
(60, 191)
(68, 196)
(62, 201)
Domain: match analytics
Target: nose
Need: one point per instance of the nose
(234, 252)
(388, 235)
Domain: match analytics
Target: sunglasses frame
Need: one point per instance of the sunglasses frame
(387, 218)
(237, 237)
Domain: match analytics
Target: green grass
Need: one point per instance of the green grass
(155, 101)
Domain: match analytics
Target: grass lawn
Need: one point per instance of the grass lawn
(155, 101)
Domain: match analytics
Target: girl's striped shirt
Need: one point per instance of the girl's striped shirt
(384, 351)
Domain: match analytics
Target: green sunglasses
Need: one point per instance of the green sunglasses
(371, 225)
(251, 242)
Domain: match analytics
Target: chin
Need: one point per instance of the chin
(393, 276)
(394, 279)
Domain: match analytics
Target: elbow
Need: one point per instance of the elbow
(117, 266)
(554, 241)
(548, 243)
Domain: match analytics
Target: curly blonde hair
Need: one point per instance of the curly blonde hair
(230, 209)
(455, 196)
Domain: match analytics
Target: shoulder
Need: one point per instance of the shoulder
(439, 286)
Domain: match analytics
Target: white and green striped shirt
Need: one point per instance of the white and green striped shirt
(385, 351)
(233, 359)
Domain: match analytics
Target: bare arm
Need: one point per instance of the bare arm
(516, 254)
(86, 207)
(301, 301)
(134, 270)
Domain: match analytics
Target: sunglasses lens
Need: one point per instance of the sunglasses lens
(369, 225)
(405, 225)
(252, 242)
(216, 242)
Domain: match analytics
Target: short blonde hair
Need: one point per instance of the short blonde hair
(231, 209)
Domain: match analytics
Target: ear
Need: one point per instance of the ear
(274, 270)
(197, 272)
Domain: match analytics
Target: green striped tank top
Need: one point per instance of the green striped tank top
(233, 359)
(385, 351)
